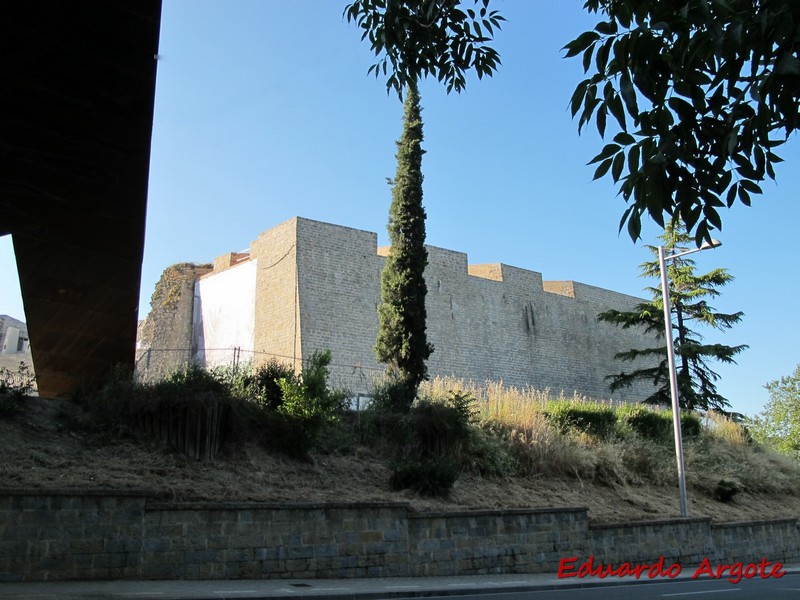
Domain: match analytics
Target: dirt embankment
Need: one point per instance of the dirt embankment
(39, 450)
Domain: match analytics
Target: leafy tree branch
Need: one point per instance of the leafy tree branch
(702, 93)
(417, 38)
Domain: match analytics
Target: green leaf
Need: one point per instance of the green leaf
(628, 94)
(601, 120)
(587, 58)
(606, 27)
(615, 106)
(608, 150)
(684, 110)
(633, 159)
(712, 216)
(603, 168)
(624, 139)
(744, 197)
(750, 186)
(624, 218)
(577, 97)
(635, 227)
(616, 167)
(731, 196)
(581, 43)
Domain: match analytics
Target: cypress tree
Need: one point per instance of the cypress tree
(402, 343)
(688, 302)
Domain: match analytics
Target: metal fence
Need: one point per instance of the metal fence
(153, 364)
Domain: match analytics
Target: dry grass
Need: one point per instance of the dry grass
(617, 480)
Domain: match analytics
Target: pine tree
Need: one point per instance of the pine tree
(401, 343)
(688, 301)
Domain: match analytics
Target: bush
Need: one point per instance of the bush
(656, 425)
(307, 407)
(645, 422)
(266, 383)
(438, 429)
(592, 418)
(691, 424)
(427, 477)
(726, 489)
(108, 410)
(11, 404)
(490, 451)
(186, 382)
(434, 440)
(14, 386)
(389, 396)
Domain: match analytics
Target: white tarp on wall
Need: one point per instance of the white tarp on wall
(224, 315)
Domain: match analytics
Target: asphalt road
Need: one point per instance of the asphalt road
(542, 586)
(785, 588)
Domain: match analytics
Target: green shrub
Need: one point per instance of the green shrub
(108, 410)
(285, 434)
(691, 424)
(490, 451)
(11, 404)
(14, 386)
(266, 383)
(437, 429)
(657, 424)
(592, 418)
(645, 422)
(427, 477)
(726, 489)
(260, 386)
(185, 382)
(390, 396)
(308, 406)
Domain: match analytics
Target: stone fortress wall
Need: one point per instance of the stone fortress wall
(317, 286)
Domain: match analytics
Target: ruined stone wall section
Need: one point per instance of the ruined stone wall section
(165, 337)
(277, 331)
(486, 322)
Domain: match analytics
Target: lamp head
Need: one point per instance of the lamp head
(712, 244)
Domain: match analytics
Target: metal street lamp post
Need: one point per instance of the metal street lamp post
(673, 378)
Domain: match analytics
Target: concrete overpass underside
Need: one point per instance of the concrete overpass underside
(76, 114)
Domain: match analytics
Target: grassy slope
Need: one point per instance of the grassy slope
(38, 451)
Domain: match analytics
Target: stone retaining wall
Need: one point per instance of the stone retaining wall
(62, 535)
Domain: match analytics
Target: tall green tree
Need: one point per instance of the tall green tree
(689, 294)
(779, 423)
(702, 93)
(416, 38)
(402, 342)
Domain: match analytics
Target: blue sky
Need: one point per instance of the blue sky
(264, 110)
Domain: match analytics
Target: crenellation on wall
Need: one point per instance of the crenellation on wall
(228, 260)
(522, 281)
(491, 271)
(562, 288)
